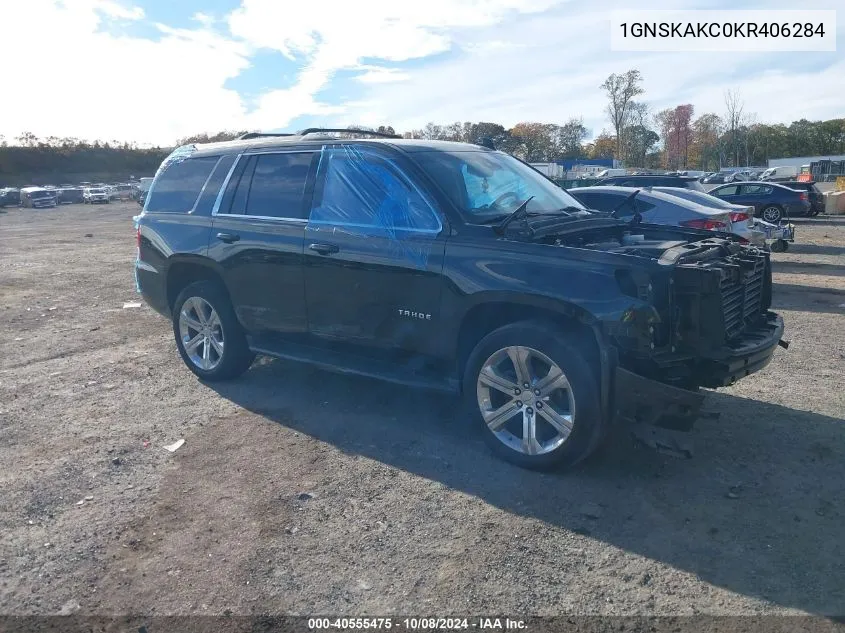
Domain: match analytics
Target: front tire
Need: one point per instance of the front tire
(556, 421)
(772, 213)
(208, 335)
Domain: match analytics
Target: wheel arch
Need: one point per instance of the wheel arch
(497, 310)
(182, 272)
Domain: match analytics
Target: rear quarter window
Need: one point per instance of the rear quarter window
(178, 187)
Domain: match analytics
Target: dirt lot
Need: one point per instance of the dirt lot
(308, 492)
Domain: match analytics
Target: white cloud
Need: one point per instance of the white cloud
(79, 81)
(204, 19)
(414, 62)
(336, 35)
(380, 75)
(549, 68)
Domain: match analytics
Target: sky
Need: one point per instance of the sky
(152, 71)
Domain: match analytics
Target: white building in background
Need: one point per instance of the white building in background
(801, 160)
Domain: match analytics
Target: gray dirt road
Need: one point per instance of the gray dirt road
(307, 492)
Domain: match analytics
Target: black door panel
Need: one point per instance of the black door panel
(263, 271)
(374, 253)
(258, 239)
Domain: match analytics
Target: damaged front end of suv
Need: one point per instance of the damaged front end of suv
(699, 315)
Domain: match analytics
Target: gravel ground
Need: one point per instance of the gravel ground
(299, 491)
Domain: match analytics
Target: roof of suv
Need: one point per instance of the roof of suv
(271, 142)
(649, 177)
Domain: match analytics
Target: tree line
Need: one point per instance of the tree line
(35, 161)
(671, 138)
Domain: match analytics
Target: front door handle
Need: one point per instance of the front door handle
(324, 249)
(228, 237)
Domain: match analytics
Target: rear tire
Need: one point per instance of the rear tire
(564, 413)
(780, 246)
(208, 335)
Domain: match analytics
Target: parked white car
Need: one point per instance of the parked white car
(93, 195)
(784, 172)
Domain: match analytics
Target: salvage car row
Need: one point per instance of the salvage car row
(39, 197)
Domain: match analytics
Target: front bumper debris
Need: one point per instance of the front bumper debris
(750, 353)
(642, 401)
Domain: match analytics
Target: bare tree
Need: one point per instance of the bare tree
(621, 89)
(734, 105)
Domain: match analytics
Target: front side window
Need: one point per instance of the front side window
(177, 187)
(487, 186)
(360, 188)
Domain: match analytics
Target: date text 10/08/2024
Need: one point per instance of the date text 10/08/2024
(416, 624)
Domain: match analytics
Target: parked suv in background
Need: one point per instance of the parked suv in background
(687, 182)
(95, 195)
(814, 193)
(70, 195)
(454, 267)
(10, 197)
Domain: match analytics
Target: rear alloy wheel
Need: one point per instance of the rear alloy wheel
(209, 337)
(201, 333)
(772, 214)
(536, 396)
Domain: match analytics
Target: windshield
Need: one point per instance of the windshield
(97, 191)
(489, 185)
(41, 194)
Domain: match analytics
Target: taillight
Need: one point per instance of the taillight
(709, 225)
(739, 217)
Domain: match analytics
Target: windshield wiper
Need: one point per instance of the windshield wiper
(515, 214)
(569, 208)
(632, 199)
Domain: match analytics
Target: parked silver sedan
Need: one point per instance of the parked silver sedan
(657, 207)
(743, 222)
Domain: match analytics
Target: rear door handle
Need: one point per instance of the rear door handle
(228, 237)
(324, 249)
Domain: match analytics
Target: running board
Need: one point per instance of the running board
(353, 364)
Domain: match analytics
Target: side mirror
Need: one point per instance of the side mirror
(486, 141)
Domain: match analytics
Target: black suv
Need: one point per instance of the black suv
(684, 182)
(814, 193)
(449, 266)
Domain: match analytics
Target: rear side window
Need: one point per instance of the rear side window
(599, 201)
(270, 186)
(212, 187)
(641, 206)
(764, 189)
(278, 185)
(694, 185)
(179, 185)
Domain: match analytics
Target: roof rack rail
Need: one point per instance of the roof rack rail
(313, 130)
(249, 135)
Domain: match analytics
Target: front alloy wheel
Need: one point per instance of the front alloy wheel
(201, 333)
(772, 214)
(526, 400)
